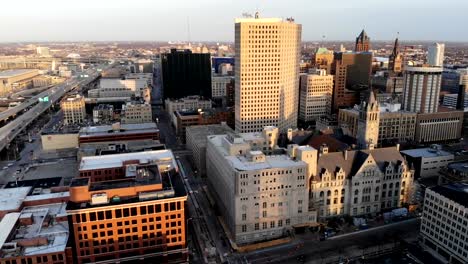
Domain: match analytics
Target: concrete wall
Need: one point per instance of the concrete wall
(59, 141)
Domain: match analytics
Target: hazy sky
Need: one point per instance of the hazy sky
(120, 20)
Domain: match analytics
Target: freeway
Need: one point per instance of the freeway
(9, 131)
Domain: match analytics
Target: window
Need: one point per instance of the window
(264, 225)
(272, 224)
(264, 213)
(244, 228)
(280, 223)
(288, 221)
(257, 226)
(244, 217)
(264, 205)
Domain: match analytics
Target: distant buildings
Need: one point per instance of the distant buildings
(219, 85)
(352, 72)
(128, 207)
(442, 126)
(451, 100)
(187, 103)
(185, 74)
(196, 141)
(13, 80)
(43, 51)
(136, 113)
(395, 63)
(262, 194)
(103, 113)
(73, 108)
(133, 85)
(444, 222)
(421, 89)
(266, 87)
(315, 98)
(222, 65)
(395, 125)
(185, 119)
(435, 54)
(362, 42)
(117, 138)
(427, 162)
(323, 59)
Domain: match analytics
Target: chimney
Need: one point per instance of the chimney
(323, 149)
(345, 154)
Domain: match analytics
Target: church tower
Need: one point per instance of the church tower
(395, 60)
(368, 123)
(362, 42)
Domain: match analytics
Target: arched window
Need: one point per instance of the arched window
(356, 192)
(377, 189)
(321, 194)
(336, 192)
(403, 184)
(342, 191)
(397, 185)
(390, 186)
(329, 193)
(384, 186)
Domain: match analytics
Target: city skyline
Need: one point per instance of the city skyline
(215, 23)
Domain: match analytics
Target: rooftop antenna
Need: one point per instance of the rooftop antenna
(188, 31)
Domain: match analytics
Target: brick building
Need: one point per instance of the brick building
(128, 207)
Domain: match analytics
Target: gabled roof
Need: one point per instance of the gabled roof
(356, 158)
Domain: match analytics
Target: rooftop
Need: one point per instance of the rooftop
(426, 153)
(117, 160)
(457, 192)
(199, 133)
(13, 73)
(12, 198)
(105, 130)
(258, 20)
(351, 161)
(243, 163)
(459, 166)
(35, 231)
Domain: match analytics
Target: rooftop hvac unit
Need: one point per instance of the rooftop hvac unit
(99, 198)
(130, 170)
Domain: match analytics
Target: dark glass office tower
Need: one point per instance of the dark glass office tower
(185, 73)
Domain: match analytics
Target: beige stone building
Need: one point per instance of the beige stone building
(360, 182)
(136, 113)
(266, 73)
(262, 193)
(73, 108)
(17, 79)
(394, 124)
(315, 97)
(368, 123)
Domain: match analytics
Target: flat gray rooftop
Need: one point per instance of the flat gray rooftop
(12, 73)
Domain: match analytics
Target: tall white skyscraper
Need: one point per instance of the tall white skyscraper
(435, 54)
(266, 73)
(421, 89)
